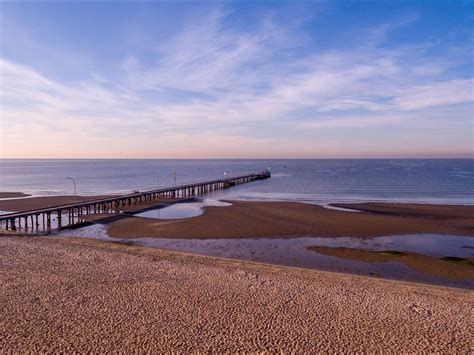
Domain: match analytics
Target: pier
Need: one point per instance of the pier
(41, 220)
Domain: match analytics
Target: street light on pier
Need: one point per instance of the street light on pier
(74, 182)
(158, 179)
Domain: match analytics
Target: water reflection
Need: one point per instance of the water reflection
(293, 252)
(182, 210)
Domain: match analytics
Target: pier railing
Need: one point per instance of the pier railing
(61, 216)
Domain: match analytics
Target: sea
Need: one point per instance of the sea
(321, 181)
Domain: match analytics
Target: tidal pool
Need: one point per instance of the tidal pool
(293, 251)
(182, 210)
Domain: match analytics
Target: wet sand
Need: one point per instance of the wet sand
(288, 219)
(421, 263)
(69, 295)
(279, 219)
(26, 204)
(412, 209)
(12, 194)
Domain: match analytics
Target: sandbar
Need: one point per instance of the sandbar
(31, 203)
(12, 194)
(460, 270)
(26, 204)
(249, 219)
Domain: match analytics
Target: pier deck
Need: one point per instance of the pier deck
(40, 220)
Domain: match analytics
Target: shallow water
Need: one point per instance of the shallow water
(293, 252)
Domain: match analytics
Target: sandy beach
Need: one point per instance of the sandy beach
(25, 204)
(288, 220)
(256, 219)
(236, 177)
(278, 219)
(69, 294)
(82, 295)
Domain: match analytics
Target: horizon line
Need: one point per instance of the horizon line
(244, 158)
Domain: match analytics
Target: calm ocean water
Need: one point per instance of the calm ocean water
(318, 181)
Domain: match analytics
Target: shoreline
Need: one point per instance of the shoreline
(243, 306)
(434, 202)
(466, 273)
(257, 263)
(287, 220)
(264, 219)
(37, 202)
(13, 194)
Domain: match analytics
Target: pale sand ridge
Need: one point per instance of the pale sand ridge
(291, 219)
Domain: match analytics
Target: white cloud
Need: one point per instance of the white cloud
(435, 94)
(219, 82)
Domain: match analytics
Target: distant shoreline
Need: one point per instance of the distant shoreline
(13, 194)
(59, 198)
(243, 159)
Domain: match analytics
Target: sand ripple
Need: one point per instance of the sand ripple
(82, 295)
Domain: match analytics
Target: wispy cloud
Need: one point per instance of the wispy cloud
(435, 94)
(220, 84)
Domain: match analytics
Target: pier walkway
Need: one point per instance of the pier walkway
(46, 219)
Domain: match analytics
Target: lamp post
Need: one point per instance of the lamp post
(158, 178)
(74, 182)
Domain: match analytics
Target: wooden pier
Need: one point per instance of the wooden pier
(41, 220)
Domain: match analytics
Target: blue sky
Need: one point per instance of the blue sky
(307, 79)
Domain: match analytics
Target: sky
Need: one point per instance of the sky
(237, 79)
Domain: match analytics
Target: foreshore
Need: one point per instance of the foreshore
(80, 295)
(255, 219)
(290, 219)
(456, 269)
(70, 294)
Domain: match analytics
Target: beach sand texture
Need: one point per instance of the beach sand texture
(83, 295)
